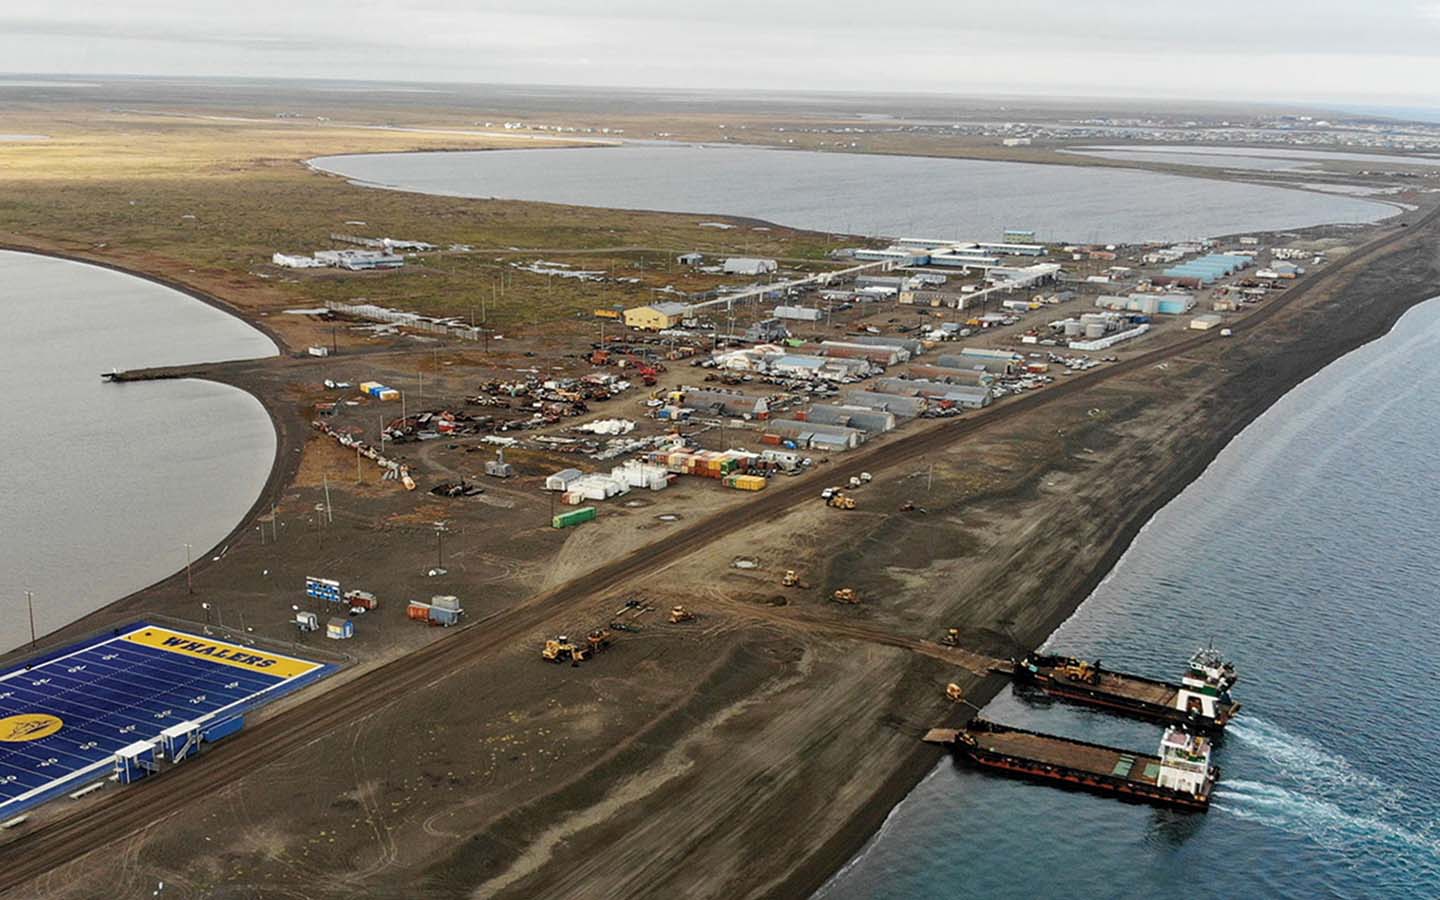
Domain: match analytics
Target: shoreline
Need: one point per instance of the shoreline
(283, 466)
(843, 846)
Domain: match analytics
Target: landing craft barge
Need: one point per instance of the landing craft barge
(1201, 702)
(1181, 776)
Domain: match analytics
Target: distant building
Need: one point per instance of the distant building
(740, 265)
(297, 262)
(690, 259)
(358, 260)
(656, 316)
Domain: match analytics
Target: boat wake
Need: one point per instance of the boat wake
(1327, 800)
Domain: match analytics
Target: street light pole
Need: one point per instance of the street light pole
(189, 582)
(30, 607)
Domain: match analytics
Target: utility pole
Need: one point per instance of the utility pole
(358, 477)
(189, 583)
(30, 607)
(440, 545)
(329, 515)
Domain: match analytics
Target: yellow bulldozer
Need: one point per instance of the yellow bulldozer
(841, 501)
(1082, 671)
(846, 595)
(680, 614)
(951, 638)
(561, 649)
(791, 578)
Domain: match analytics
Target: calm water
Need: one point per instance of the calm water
(1308, 551)
(105, 484)
(864, 193)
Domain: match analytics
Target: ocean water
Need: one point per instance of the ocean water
(104, 484)
(864, 193)
(1308, 553)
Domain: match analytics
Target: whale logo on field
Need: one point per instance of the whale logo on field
(28, 727)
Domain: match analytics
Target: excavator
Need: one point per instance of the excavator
(951, 638)
(680, 614)
(791, 579)
(846, 595)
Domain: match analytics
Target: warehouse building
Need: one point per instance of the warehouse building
(870, 421)
(725, 403)
(898, 404)
(741, 265)
(656, 316)
(816, 435)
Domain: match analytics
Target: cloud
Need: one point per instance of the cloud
(1272, 48)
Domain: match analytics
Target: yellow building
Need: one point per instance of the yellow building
(655, 317)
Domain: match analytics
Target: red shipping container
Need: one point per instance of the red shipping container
(418, 611)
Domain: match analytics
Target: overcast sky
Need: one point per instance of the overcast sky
(1384, 51)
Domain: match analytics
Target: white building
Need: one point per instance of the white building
(741, 265)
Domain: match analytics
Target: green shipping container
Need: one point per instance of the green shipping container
(574, 517)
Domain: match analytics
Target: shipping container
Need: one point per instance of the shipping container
(445, 617)
(575, 517)
(418, 611)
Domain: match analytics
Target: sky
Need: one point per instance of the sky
(1380, 51)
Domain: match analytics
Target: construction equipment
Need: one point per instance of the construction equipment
(791, 578)
(597, 640)
(953, 693)
(561, 649)
(846, 595)
(841, 500)
(680, 614)
(951, 638)
(1083, 671)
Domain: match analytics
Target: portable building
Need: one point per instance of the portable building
(1205, 322)
(562, 479)
(798, 313)
(338, 629)
(135, 761)
(690, 259)
(445, 601)
(180, 741)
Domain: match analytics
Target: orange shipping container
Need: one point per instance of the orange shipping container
(418, 611)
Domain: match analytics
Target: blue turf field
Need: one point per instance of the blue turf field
(115, 690)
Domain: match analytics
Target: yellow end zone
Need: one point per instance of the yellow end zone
(28, 727)
(222, 652)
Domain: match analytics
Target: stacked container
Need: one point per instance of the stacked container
(575, 517)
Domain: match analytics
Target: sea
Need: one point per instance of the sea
(1309, 553)
(849, 193)
(105, 484)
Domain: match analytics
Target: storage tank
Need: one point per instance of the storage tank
(1095, 330)
(1073, 328)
